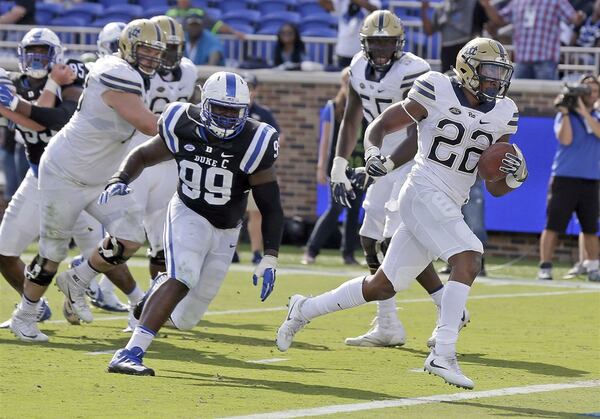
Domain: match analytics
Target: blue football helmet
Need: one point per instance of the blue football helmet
(37, 64)
(225, 103)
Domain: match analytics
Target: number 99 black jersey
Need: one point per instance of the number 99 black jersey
(36, 141)
(213, 174)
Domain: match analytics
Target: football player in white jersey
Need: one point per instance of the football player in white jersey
(380, 75)
(457, 118)
(75, 167)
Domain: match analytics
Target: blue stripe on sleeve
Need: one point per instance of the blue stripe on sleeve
(167, 130)
(256, 150)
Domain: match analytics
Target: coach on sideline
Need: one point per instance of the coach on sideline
(575, 178)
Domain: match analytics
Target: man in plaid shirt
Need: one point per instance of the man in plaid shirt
(536, 34)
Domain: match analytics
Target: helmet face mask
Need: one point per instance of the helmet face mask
(142, 45)
(483, 68)
(382, 39)
(174, 39)
(225, 104)
(39, 49)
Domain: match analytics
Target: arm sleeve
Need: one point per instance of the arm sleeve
(268, 202)
(53, 118)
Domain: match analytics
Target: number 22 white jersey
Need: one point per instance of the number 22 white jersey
(453, 135)
(376, 96)
(90, 147)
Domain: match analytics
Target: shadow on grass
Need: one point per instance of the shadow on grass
(498, 410)
(283, 386)
(532, 367)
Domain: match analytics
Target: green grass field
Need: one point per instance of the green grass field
(533, 350)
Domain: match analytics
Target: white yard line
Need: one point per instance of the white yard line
(400, 302)
(268, 361)
(386, 404)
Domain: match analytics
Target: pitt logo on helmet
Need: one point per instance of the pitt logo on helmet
(142, 45)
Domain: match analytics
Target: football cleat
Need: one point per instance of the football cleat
(594, 276)
(386, 331)
(577, 270)
(465, 319)
(44, 313)
(69, 314)
(24, 327)
(545, 274)
(108, 301)
(129, 361)
(160, 279)
(75, 296)
(447, 368)
(293, 323)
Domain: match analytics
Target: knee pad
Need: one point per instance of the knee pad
(369, 246)
(384, 245)
(36, 273)
(159, 259)
(112, 250)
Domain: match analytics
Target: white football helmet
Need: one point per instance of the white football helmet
(225, 103)
(108, 39)
(38, 64)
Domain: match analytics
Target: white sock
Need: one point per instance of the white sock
(386, 307)
(85, 273)
(437, 296)
(28, 306)
(591, 265)
(347, 295)
(135, 296)
(106, 285)
(141, 337)
(454, 301)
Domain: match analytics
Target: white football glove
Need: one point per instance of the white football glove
(515, 167)
(341, 187)
(377, 165)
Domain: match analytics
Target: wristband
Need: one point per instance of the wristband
(119, 177)
(389, 164)
(14, 103)
(52, 87)
(511, 182)
(372, 151)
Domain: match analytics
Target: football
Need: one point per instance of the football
(491, 160)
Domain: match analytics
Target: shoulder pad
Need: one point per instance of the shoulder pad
(80, 70)
(117, 74)
(424, 88)
(512, 115)
(170, 121)
(263, 149)
(415, 67)
(357, 57)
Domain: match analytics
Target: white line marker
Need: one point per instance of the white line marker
(409, 301)
(108, 351)
(268, 361)
(385, 404)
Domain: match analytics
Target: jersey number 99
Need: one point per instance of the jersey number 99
(213, 183)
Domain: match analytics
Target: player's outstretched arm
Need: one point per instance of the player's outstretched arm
(131, 107)
(266, 194)
(350, 124)
(515, 167)
(145, 155)
(396, 117)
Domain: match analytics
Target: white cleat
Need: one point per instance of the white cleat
(69, 285)
(24, 327)
(447, 368)
(292, 324)
(466, 318)
(132, 322)
(386, 331)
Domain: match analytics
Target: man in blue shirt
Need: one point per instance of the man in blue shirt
(202, 46)
(575, 180)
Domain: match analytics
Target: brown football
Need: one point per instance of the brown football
(491, 160)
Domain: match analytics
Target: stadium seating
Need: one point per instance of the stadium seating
(310, 7)
(123, 12)
(101, 21)
(68, 21)
(105, 3)
(319, 20)
(202, 4)
(147, 4)
(272, 6)
(238, 17)
(5, 6)
(215, 14)
(269, 29)
(84, 11)
(279, 18)
(232, 6)
(45, 12)
(155, 11)
(320, 32)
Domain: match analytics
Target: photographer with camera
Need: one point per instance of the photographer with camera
(575, 174)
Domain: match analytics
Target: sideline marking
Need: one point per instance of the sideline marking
(400, 302)
(385, 404)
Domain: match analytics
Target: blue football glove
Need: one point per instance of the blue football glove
(7, 97)
(341, 188)
(360, 179)
(112, 189)
(266, 270)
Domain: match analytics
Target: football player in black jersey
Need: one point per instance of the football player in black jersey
(221, 155)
